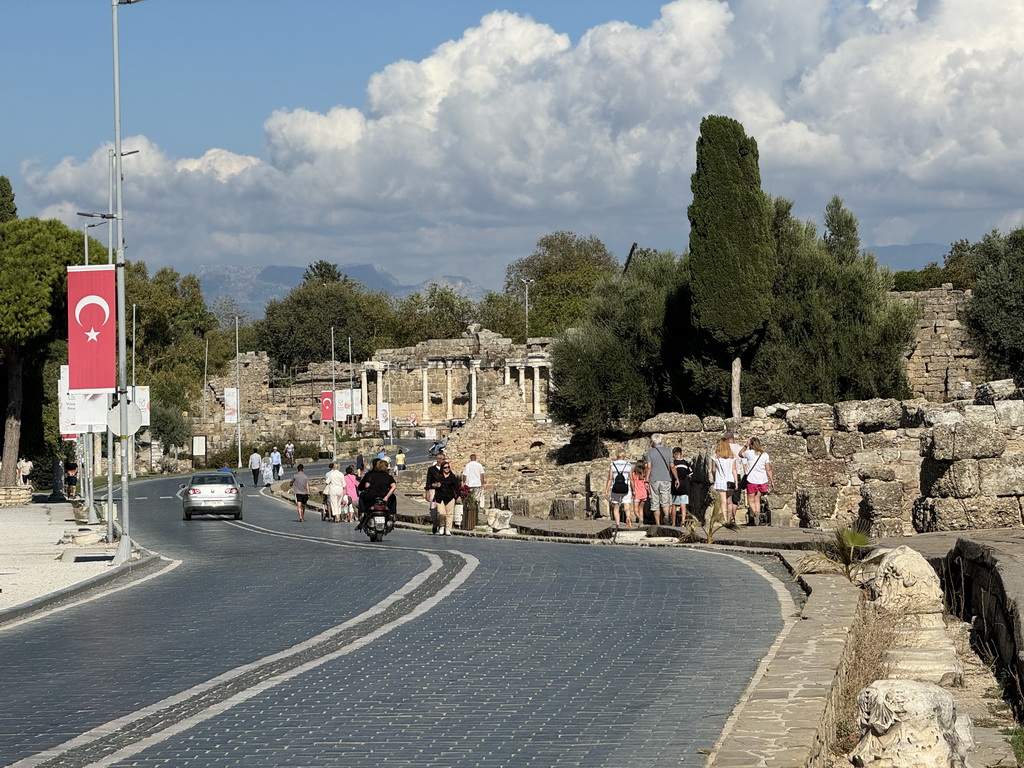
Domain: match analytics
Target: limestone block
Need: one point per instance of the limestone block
(713, 424)
(950, 479)
(811, 419)
(966, 440)
(817, 447)
(869, 415)
(567, 509)
(904, 582)
(990, 391)
(929, 665)
(910, 724)
(949, 514)
(1010, 413)
(845, 444)
(982, 414)
(671, 422)
(881, 499)
(1003, 476)
(876, 472)
(913, 412)
(815, 506)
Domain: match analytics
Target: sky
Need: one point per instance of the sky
(447, 137)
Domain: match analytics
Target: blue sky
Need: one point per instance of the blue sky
(447, 137)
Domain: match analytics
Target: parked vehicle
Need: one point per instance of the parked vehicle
(378, 520)
(211, 493)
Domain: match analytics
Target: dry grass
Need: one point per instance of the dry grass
(873, 634)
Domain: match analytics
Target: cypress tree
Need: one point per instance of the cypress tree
(732, 253)
(8, 210)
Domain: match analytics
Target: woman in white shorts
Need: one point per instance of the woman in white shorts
(620, 465)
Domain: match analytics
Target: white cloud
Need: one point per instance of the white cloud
(907, 110)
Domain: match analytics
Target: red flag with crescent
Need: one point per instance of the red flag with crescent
(326, 406)
(92, 329)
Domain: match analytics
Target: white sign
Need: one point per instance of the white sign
(65, 405)
(384, 416)
(230, 405)
(91, 411)
(140, 396)
(348, 402)
(134, 419)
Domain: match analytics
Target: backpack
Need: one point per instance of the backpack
(620, 484)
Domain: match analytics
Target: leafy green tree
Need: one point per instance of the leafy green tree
(994, 316)
(502, 314)
(732, 255)
(620, 365)
(296, 330)
(169, 425)
(561, 274)
(835, 333)
(440, 313)
(841, 239)
(931, 276)
(8, 210)
(34, 256)
(322, 272)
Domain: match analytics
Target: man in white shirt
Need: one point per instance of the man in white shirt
(473, 478)
(275, 463)
(255, 464)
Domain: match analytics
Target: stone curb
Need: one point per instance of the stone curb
(148, 561)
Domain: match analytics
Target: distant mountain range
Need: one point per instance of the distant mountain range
(253, 287)
(914, 256)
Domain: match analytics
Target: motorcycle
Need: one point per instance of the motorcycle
(378, 520)
(437, 447)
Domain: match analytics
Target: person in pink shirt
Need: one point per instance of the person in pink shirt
(351, 490)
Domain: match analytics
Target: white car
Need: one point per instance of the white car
(211, 493)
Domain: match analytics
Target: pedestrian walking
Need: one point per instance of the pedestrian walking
(275, 463)
(681, 487)
(351, 493)
(446, 493)
(71, 479)
(300, 485)
(430, 488)
(289, 453)
(334, 489)
(474, 477)
(268, 473)
(256, 465)
(400, 460)
(760, 478)
(617, 489)
(724, 478)
(661, 475)
(638, 484)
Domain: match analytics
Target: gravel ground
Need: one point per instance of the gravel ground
(31, 550)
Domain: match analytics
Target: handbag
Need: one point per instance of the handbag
(743, 477)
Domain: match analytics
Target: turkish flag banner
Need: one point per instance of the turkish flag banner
(92, 329)
(326, 406)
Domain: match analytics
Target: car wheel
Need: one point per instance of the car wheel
(238, 515)
(186, 516)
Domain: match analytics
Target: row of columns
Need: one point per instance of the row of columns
(474, 369)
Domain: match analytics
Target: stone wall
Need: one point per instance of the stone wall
(941, 365)
(894, 466)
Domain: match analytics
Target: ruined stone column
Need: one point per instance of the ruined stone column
(448, 389)
(363, 392)
(508, 375)
(426, 392)
(535, 371)
(380, 393)
(474, 366)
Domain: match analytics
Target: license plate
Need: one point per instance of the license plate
(378, 522)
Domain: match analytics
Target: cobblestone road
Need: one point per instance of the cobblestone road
(422, 651)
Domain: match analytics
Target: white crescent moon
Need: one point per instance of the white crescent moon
(85, 301)
(327, 401)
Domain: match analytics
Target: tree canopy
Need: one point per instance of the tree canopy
(732, 257)
(994, 315)
(8, 210)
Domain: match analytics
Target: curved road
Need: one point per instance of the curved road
(269, 643)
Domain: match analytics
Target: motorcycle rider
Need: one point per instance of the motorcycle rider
(378, 483)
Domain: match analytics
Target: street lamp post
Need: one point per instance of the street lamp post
(85, 231)
(124, 547)
(527, 281)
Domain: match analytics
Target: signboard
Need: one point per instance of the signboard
(348, 402)
(384, 416)
(92, 328)
(91, 412)
(134, 416)
(65, 406)
(198, 445)
(327, 401)
(140, 396)
(230, 405)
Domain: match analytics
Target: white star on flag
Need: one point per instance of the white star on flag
(93, 334)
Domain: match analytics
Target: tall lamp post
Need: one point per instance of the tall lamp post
(124, 546)
(527, 281)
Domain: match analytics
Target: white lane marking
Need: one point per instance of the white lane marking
(215, 709)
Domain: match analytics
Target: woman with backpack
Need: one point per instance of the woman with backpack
(617, 488)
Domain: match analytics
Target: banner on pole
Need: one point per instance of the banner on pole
(384, 411)
(140, 396)
(348, 402)
(91, 413)
(327, 401)
(230, 405)
(65, 406)
(92, 329)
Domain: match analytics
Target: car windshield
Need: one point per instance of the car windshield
(220, 479)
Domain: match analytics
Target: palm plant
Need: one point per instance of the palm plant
(843, 553)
